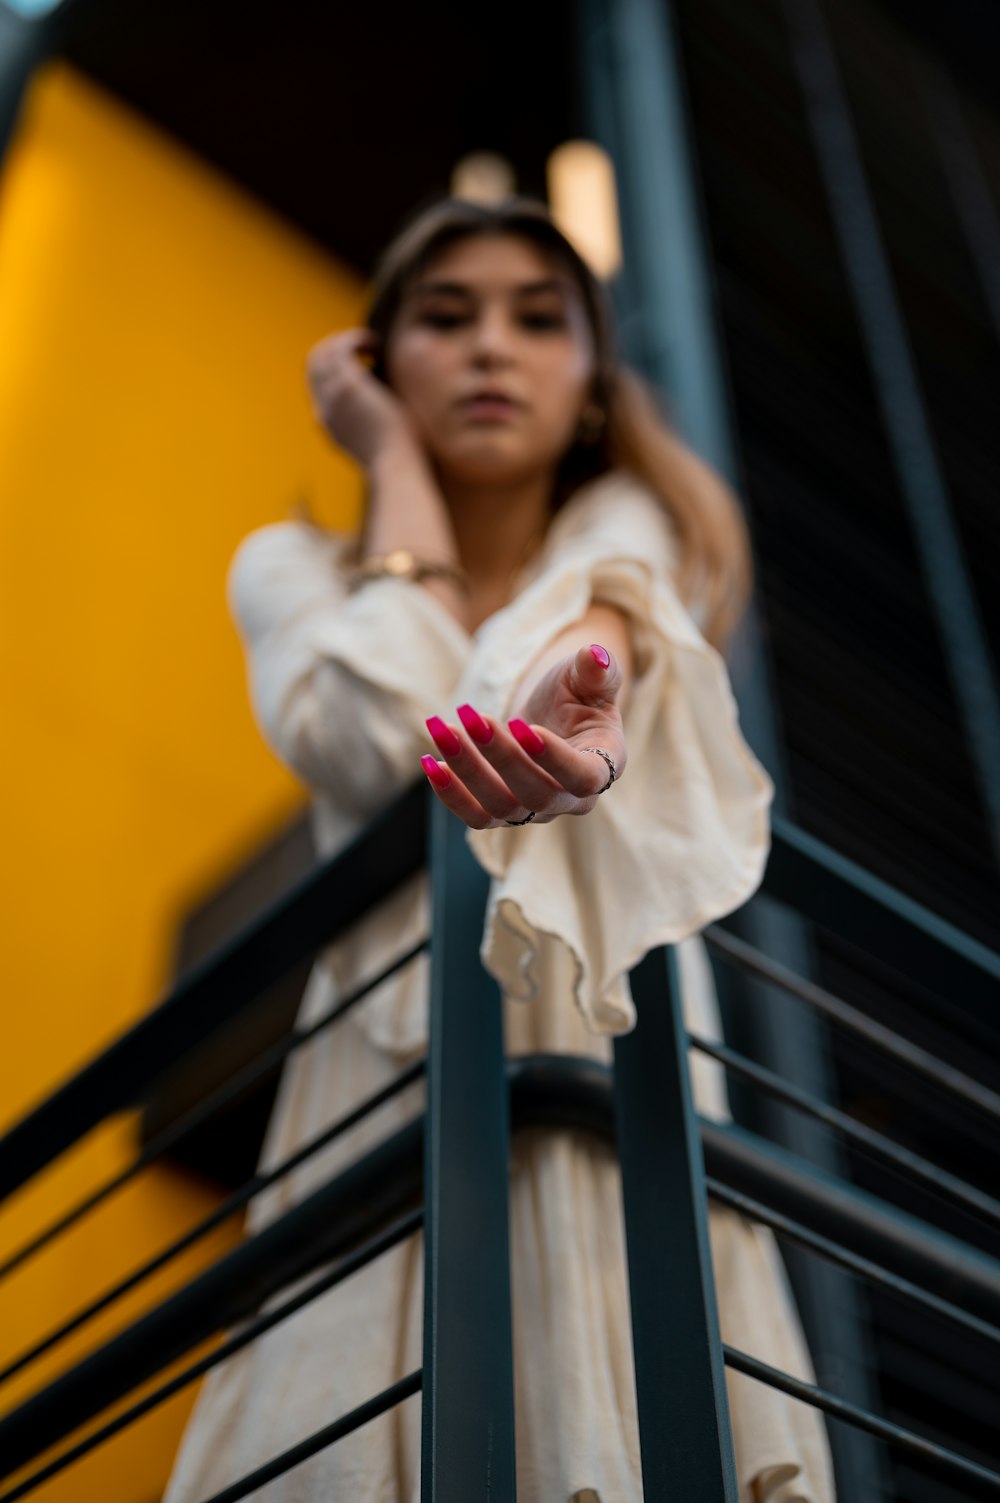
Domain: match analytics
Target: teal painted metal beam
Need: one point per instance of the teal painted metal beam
(557, 1091)
(685, 1433)
(905, 417)
(24, 42)
(665, 301)
(468, 1373)
(831, 889)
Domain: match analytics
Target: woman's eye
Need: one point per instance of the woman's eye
(532, 320)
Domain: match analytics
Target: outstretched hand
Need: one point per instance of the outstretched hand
(494, 774)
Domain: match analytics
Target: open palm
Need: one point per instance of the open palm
(537, 764)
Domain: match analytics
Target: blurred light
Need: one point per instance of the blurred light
(483, 177)
(30, 9)
(583, 201)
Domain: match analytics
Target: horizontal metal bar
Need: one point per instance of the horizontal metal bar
(801, 871)
(318, 908)
(545, 1090)
(553, 1090)
(347, 885)
(203, 1111)
(820, 1398)
(794, 1231)
(347, 1266)
(388, 1399)
(953, 1081)
(229, 1206)
(384, 1183)
(858, 1220)
(562, 1091)
(940, 1180)
(840, 895)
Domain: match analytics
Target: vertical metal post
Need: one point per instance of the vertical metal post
(962, 170)
(633, 89)
(684, 1429)
(907, 424)
(22, 47)
(468, 1382)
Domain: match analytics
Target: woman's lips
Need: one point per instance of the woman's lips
(489, 407)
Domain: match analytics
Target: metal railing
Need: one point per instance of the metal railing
(446, 1171)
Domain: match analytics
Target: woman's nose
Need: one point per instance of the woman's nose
(494, 333)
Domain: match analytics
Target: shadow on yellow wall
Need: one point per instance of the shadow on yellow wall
(153, 410)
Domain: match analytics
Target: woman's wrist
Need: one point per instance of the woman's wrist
(407, 511)
(405, 506)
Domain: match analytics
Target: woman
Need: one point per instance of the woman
(552, 631)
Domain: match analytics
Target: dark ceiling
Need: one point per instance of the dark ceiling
(345, 118)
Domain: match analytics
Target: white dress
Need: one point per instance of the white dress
(341, 685)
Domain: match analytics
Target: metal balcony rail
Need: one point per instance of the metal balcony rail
(446, 1171)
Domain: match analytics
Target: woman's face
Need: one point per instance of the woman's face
(477, 317)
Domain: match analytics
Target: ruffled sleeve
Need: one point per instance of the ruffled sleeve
(683, 837)
(340, 683)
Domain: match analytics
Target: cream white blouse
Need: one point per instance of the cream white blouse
(341, 684)
(686, 834)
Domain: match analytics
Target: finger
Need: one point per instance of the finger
(334, 353)
(455, 796)
(497, 772)
(518, 768)
(581, 773)
(596, 676)
(344, 339)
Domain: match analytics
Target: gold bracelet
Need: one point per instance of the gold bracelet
(400, 563)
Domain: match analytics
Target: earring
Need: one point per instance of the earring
(592, 421)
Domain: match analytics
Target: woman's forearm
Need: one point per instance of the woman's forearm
(406, 510)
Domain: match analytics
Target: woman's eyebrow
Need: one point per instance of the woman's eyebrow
(460, 289)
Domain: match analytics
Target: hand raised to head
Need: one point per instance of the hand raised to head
(360, 412)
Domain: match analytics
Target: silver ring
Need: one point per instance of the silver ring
(611, 766)
(520, 821)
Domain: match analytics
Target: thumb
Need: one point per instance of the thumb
(596, 675)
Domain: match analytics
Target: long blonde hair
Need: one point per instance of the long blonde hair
(714, 557)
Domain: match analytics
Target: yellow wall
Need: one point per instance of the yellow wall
(153, 410)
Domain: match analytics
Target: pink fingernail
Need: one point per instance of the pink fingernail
(600, 656)
(443, 736)
(439, 776)
(526, 737)
(475, 725)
